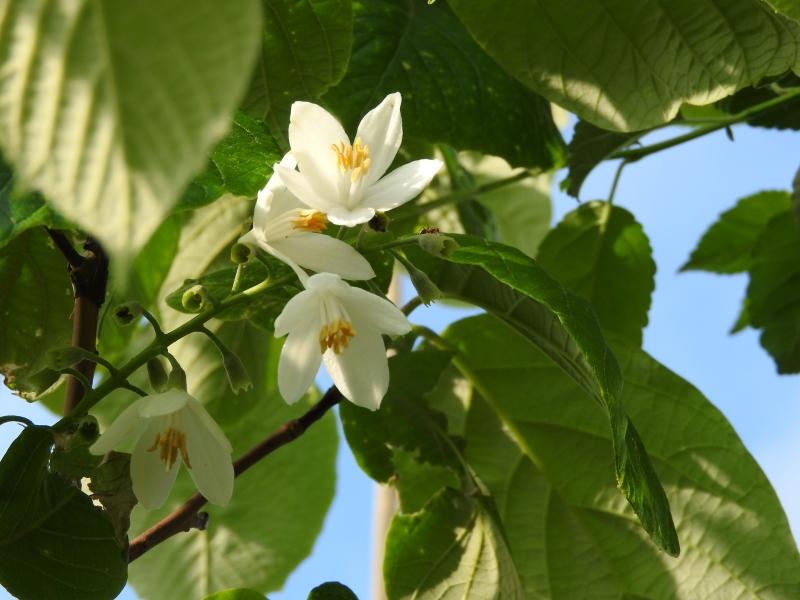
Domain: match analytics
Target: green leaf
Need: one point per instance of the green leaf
(278, 506)
(790, 8)
(589, 147)
(514, 288)
(452, 548)
(110, 109)
(305, 50)
(53, 542)
(601, 253)
(727, 246)
(452, 92)
(773, 295)
(629, 64)
(546, 459)
(34, 311)
(236, 594)
(783, 116)
(332, 590)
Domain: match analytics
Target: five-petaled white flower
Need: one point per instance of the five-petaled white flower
(289, 230)
(343, 179)
(342, 326)
(169, 428)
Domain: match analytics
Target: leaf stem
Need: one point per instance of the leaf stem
(614, 184)
(15, 419)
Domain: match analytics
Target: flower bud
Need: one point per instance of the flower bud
(437, 244)
(238, 377)
(177, 377)
(241, 253)
(127, 313)
(157, 374)
(427, 290)
(195, 298)
(379, 222)
(61, 358)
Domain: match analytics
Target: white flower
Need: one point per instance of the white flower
(342, 326)
(171, 428)
(343, 179)
(289, 231)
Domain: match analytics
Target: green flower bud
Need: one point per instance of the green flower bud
(427, 290)
(61, 358)
(127, 313)
(157, 374)
(241, 253)
(238, 377)
(379, 222)
(437, 244)
(177, 377)
(195, 299)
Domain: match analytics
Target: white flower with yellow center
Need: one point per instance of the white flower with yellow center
(343, 179)
(341, 325)
(171, 428)
(290, 231)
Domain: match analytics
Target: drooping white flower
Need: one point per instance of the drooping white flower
(343, 179)
(290, 231)
(170, 428)
(341, 325)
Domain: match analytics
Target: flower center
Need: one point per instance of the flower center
(170, 443)
(336, 335)
(310, 220)
(353, 158)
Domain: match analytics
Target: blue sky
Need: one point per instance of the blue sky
(676, 195)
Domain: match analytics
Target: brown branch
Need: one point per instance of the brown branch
(187, 517)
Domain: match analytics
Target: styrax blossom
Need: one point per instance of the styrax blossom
(345, 179)
(341, 325)
(290, 231)
(171, 428)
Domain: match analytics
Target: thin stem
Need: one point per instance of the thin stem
(15, 419)
(185, 517)
(411, 305)
(154, 323)
(411, 240)
(136, 390)
(635, 154)
(74, 258)
(79, 377)
(237, 279)
(614, 184)
(433, 337)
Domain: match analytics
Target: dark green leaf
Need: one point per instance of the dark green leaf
(546, 458)
(53, 542)
(601, 253)
(784, 116)
(727, 246)
(628, 65)
(34, 311)
(773, 296)
(237, 594)
(514, 288)
(332, 590)
(452, 92)
(588, 147)
(111, 485)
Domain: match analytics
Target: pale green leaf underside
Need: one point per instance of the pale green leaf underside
(630, 64)
(108, 108)
(547, 459)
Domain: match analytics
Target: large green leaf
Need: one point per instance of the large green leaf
(53, 542)
(788, 7)
(35, 309)
(785, 115)
(727, 246)
(305, 50)
(452, 92)
(277, 507)
(452, 549)
(514, 287)
(109, 108)
(600, 252)
(773, 296)
(629, 64)
(546, 459)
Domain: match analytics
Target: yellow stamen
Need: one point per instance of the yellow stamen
(353, 158)
(310, 220)
(336, 335)
(169, 443)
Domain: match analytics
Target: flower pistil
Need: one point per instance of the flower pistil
(170, 443)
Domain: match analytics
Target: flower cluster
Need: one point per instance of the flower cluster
(324, 178)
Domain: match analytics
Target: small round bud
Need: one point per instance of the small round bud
(195, 298)
(157, 374)
(177, 377)
(379, 222)
(127, 313)
(241, 253)
(437, 244)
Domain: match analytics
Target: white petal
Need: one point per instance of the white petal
(151, 480)
(262, 207)
(327, 282)
(301, 275)
(252, 238)
(401, 185)
(299, 185)
(128, 425)
(380, 314)
(283, 200)
(212, 468)
(360, 371)
(312, 132)
(323, 253)
(275, 181)
(162, 404)
(297, 311)
(381, 130)
(300, 359)
(348, 217)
